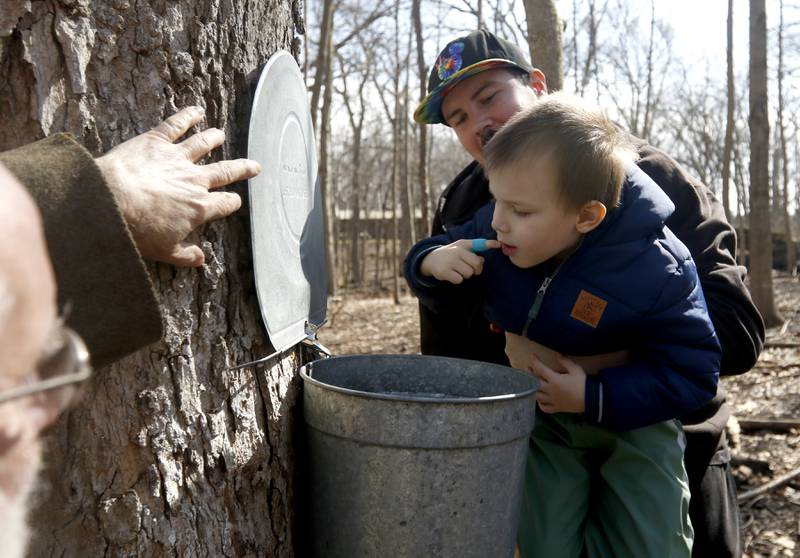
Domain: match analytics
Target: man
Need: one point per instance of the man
(141, 199)
(477, 83)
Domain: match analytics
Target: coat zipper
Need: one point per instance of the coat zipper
(537, 302)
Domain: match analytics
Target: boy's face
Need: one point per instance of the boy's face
(532, 223)
(477, 107)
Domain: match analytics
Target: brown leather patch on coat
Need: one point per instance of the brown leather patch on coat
(588, 308)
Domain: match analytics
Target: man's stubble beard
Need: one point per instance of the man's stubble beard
(487, 135)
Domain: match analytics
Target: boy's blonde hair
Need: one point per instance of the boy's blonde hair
(589, 151)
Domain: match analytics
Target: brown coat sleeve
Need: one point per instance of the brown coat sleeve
(97, 267)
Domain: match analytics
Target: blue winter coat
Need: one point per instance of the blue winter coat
(631, 285)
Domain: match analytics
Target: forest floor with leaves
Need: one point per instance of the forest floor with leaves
(361, 322)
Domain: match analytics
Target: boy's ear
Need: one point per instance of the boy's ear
(590, 216)
(538, 82)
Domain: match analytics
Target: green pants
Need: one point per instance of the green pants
(596, 493)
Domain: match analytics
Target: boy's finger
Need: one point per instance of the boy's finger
(569, 365)
(464, 269)
(473, 260)
(452, 276)
(478, 245)
(545, 406)
(541, 370)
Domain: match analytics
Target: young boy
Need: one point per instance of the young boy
(586, 266)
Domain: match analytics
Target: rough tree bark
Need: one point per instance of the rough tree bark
(760, 234)
(544, 40)
(169, 451)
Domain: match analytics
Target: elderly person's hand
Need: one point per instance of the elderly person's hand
(164, 195)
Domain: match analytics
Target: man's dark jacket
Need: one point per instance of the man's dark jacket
(698, 221)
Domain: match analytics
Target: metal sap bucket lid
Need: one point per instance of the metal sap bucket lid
(286, 206)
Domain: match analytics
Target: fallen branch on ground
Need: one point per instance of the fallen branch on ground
(779, 345)
(771, 485)
(774, 425)
(755, 465)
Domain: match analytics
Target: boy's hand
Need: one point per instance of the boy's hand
(455, 262)
(560, 392)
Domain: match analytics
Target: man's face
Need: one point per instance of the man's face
(478, 107)
(532, 223)
(27, 318)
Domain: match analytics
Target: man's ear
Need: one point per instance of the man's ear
(538, 82)
(590, 216)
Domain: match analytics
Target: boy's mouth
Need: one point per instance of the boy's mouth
(507, 249)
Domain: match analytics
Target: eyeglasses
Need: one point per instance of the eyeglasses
(65, 362)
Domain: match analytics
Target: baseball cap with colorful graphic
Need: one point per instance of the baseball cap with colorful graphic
(462, 58)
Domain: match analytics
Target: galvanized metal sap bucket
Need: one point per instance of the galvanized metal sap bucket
(415, 456)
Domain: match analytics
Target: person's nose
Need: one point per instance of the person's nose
(499, 223)
(482, 125)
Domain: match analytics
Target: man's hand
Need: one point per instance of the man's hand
(521, 350)
(164, 195)
(455, 262)
(560, 392)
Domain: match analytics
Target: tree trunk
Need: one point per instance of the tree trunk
(324, 60)
(422, 145)
(324, 160)
(760, 234)
(396, 153)
(648, 103)
(743, 210)
(544, 40)
(408, 235)
(591, 49)
(791, 263)
(729, 124)
(357, 126)
(169, 452)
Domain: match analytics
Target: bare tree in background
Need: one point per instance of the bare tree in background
(742, 184)
(325, 74)
(545, 40)
(584, 64)
(760, 234)
(323, 61)
(396, 154)
(408, 233)
(696, 124)
(791, 256)
(636, 71)
(422, 144)
(729, 123)
(170, 452)
(356, 111)
(471, 8)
